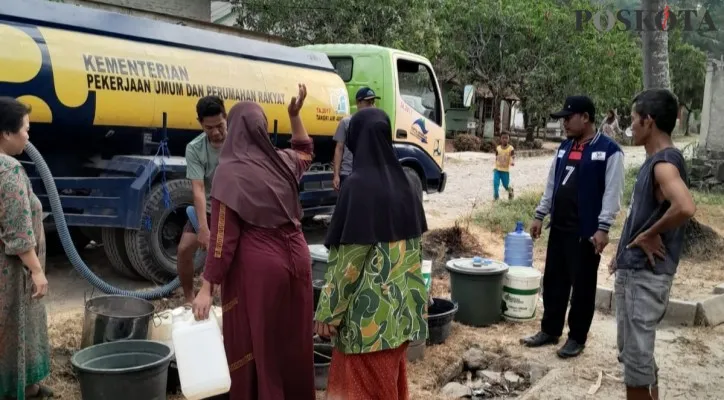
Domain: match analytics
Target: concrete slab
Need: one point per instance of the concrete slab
(603, 298)
(680, 312)
(711, 311)
(719, 289)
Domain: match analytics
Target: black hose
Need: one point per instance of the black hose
(69, 247)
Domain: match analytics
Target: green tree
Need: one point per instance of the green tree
(534, 50)
(687, 65)
(406, 25)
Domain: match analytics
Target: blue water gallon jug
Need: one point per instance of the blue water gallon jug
(519, 247)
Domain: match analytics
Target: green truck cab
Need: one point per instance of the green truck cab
(411, 96)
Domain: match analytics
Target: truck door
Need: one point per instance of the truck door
(419, 119)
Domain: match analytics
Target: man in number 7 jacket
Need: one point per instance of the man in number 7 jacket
(583, 197)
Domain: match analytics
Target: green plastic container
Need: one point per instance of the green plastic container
(477, 286)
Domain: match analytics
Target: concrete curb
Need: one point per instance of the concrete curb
(709, 312)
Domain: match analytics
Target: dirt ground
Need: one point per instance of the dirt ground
(470, 182)
(689, 358)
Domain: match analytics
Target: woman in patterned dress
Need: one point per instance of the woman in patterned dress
(24, 349)
(374, 301)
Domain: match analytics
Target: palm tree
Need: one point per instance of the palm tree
(655, 50)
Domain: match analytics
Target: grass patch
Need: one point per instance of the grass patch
(704, 198)
(502, 215)
(701, 241)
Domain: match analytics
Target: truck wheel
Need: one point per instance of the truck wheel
(114, 246)
(415, 181)
(153, 253)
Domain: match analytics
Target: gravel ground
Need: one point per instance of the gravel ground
(470, 182)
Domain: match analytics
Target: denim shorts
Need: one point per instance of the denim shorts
(641, 301)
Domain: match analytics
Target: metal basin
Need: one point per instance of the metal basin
(113, 318)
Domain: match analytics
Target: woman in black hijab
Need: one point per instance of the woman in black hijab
(374, 301)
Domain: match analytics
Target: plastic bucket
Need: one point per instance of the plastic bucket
(478, 290)
(439, 320)
(131, 369)
(322, 359)
(521, 287)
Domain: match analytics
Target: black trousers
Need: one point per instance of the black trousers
(571, 262)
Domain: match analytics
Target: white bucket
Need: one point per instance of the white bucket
(521, 287)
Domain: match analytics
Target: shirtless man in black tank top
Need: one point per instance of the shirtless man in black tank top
(651, 241)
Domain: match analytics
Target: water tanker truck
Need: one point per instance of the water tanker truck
(113, 106)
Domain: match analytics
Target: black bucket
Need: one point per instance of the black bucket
(317, 285)
(322, 359)
(439, 320)
(131, 369)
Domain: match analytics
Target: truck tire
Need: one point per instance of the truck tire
(415, 181)
(114, 246)
(153, 253)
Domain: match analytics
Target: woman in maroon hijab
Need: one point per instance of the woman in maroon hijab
(259, 256)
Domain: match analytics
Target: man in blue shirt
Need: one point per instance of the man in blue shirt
(583, 197)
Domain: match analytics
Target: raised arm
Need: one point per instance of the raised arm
(299, 132)
(302, 152)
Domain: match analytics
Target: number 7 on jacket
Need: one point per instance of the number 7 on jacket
(569, 171)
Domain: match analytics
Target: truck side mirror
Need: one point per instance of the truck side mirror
(468, 94)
